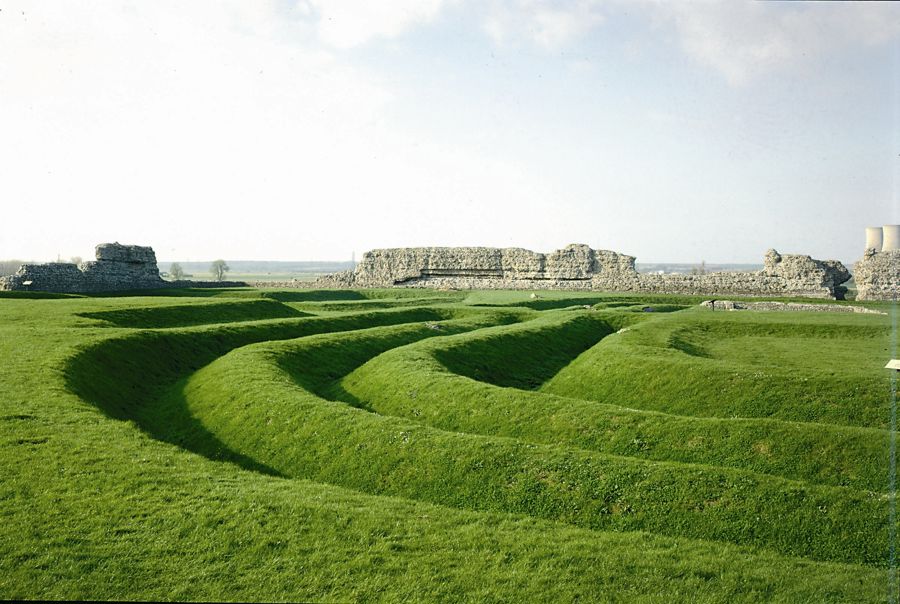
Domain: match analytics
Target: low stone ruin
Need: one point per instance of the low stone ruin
(575, 267)
(877, 275)
(578, 267)
(782, 275)
(572, 267)
(787, 307)
(117, 268)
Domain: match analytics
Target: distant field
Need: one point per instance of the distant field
(253, 277)
(259, 270)
(684, 267)
(416, 445)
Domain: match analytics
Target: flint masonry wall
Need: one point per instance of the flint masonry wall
(877, 275)
(782, 275)
(117, 268)
(578, 267)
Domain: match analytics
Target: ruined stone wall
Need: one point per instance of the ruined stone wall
(412, 267)
(53, 277)
(730, 305)
(877, 276)
(578, 267)
(782, 275)
(117, 268)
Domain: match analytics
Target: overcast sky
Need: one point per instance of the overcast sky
(310, 129)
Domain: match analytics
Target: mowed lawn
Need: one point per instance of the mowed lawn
(429, 446)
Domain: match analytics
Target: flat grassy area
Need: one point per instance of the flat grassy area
(418, 445)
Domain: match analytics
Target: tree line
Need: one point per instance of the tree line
(217, 269)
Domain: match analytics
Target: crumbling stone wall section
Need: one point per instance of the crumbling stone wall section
(122, 267)
(578, 267)
(572, 267)
(803, 274)
(52, 277)
(782, 275)
(878, 275)
(117, 268)
(787, 307)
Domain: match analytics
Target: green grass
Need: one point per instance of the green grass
(666, 367)
(412, 445)
(416, 382)
(526, 356)
(195, 314)
(256, 409)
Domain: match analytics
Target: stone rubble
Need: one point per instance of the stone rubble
(786, 306)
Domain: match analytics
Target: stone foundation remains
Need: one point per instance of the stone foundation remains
(787, 307)
(117, 268)
(877, 275)
(575, 267)
(578, 267)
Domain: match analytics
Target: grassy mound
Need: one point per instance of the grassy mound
(250, 403)
(26, 295)
(124, 374)
(669, 366)
(165, 446)
(528, 355)
(413, 382)
(182, 315)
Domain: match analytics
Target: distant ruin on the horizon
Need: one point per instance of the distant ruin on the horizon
(118, 267)
(579, 267)
(575, 267)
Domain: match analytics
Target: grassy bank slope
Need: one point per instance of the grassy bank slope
(808, 367)
(416, 382)
(255, 407)
(158, 460)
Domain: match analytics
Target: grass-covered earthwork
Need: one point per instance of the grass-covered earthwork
(417, 445)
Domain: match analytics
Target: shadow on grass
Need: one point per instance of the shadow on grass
(316, 295)
(170, 421)
(37, 295)
(139, 376)
(144, 387)
(183, 292)
(525, 358)
(548, 304)
(336, 392)
(183, 315)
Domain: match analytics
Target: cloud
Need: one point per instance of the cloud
(349, 23)
(548, 25)
(212, 128)
(125, 119)
(745, 41)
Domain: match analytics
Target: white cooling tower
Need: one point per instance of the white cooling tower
(891, 237)
(874, 239)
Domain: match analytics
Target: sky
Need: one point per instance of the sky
(316, 129)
